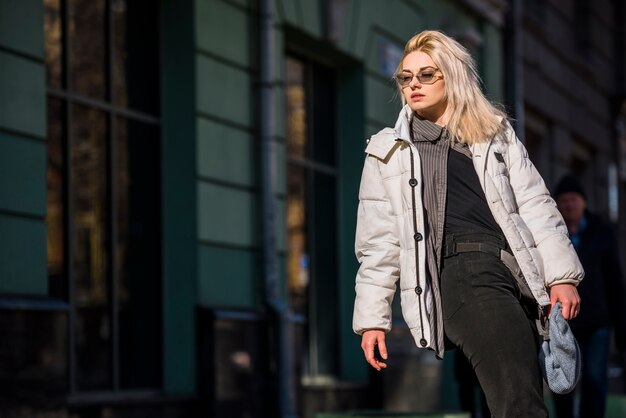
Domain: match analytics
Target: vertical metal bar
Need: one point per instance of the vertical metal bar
(310, 91)
(112, 202)
(69, 200)
(275, 301)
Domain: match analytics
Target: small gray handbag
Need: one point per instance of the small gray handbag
(559, 356)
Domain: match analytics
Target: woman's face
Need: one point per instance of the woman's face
(427, 100)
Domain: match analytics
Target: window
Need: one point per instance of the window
(103, 181)
(311, 212)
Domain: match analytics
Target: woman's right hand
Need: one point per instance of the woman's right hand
(369, 340)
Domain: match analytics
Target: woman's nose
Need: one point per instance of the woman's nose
(415, 82)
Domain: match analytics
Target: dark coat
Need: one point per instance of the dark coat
(602, 292)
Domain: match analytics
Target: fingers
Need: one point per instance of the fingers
(382, 348)
(569, 298)
(369, 341)
(571, 308)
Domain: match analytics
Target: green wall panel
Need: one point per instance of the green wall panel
(23, 269)
(21, 26)
(226, 215)
(225, 153)
(311, 16)
(227, 277)
(397, 19)
(223, 91)
(288, 11)
(383, 103)
(22, 175)
(448, 15)
(241, 3)
(493, 65)
(371, 129)
(223, 29)
(22, 89)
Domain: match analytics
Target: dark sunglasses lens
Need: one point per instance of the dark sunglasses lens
(404, 80)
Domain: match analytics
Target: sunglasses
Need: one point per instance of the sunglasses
(426, 75)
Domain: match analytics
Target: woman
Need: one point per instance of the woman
(450, 204)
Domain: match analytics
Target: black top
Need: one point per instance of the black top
(466, 208)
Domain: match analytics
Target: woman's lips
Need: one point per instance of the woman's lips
(416, 96)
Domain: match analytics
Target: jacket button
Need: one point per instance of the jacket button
(418, 236)
(418, 290)
(423, 342)
(412, 182)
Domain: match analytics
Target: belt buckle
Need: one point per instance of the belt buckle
(450, 249)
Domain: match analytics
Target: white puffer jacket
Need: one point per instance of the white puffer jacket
(385, 239)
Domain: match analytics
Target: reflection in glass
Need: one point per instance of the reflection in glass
(104, 225)
(241, 369)
(297, 240)
(296, 109)
(298, 263)
(311, 210)
(135, 55)
(86, 28)
(138, 261)
(53, 43)
(89, 192)
(55, 176)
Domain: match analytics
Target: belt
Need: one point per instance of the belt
(498, 247)
(483, 242)
(454, 248)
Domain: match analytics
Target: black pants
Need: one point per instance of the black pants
(484, 318)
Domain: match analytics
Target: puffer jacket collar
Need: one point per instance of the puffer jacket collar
(381, 144)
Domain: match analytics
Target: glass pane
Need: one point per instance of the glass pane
(53, 43)
(241, 367)
(324, 288)
(296, 109)
(323, 115)
(55, 174)
(138, 250)
(88, 55)
(90, 251)
(135, 55)
(297, 238)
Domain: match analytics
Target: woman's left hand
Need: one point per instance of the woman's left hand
(568, 296)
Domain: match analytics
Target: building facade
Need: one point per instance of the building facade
(573, 119)
(178, 193)
(570, 96)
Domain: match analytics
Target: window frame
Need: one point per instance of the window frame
(68, 99)
(312, 167)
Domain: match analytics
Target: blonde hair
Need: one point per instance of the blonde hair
(472, 117)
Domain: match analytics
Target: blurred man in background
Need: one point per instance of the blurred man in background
(602, 300)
